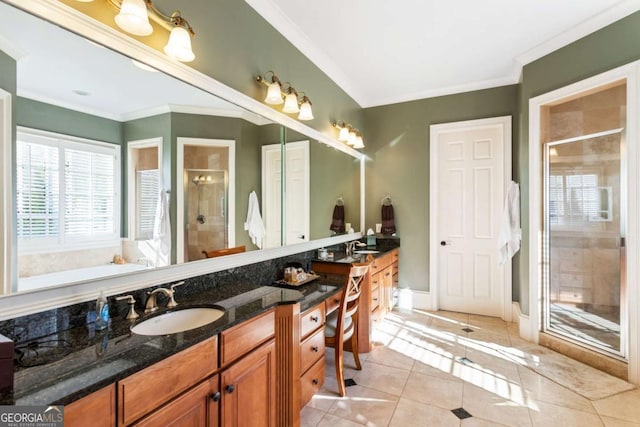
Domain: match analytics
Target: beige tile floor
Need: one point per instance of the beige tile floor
(416, 375)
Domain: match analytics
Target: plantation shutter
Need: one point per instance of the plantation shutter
(147, 193)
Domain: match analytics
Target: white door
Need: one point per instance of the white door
(470, 185)
(297, 193)
(271, 194)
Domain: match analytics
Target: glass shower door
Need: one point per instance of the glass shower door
(584, 229)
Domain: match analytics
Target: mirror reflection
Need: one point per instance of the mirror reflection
(119, 167)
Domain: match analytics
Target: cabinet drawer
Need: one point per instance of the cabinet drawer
(311, 350)
(191, 409)
(146, 390)
(311, 320)
(332, 304)
(375, 298)
(242, 338)
(311, 382)
(99, 407)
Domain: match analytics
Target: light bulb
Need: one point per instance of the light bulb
(305, 110)
(179, 45)
(291, 103)
(274, 96)
(344, 134)
(133, 18)
(352, 138)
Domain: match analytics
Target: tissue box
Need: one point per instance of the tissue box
(371, 240)
(6, 364)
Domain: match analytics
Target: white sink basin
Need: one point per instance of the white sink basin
(177, 321)
(366, 251)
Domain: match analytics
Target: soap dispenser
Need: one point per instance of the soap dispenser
(102, 312)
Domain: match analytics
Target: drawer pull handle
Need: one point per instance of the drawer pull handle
(315, 381)
(314, 318)
(315, 349)
(375, 299)
(215, 396)
(230, 388)
(388, 274)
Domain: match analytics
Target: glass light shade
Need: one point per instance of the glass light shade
(553, 151)
(291, 103)
(359, 142)
(344, 134)
(351, 140)
(133, 18)
(274, 96)
(305, 111)
(179, 45)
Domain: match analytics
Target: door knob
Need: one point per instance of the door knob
(216, 396)
(230, 388)
(445, 242)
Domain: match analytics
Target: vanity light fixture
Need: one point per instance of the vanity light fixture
(294, 103)
(291, 102)
(133, 17)
(305, 109)
(348, 134)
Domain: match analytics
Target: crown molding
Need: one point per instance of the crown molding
(273, 14)
(595, 23)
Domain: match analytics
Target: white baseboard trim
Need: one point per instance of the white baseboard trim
(524, 324)
(409, 299)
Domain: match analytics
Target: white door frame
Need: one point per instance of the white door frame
(7, 266)
(530, 330)
(504, 123)
(131, 179)
(231, 224)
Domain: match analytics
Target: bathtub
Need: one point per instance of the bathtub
(77, 275)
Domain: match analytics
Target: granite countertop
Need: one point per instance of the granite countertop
(380, 249)
(85, 360)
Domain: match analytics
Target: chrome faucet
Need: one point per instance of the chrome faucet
(350, 247)
(152, 305)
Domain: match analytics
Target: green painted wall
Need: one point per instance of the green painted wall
(397, 147)
(608, 48)
(333, 175)
(39, 115)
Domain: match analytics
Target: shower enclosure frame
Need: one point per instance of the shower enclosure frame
(530, 317)
(546, 263)
(180, 186)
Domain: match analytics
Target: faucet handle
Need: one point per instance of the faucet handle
(131, 301)
(172, 301)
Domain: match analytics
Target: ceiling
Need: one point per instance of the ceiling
(384, 52)
(57, 67)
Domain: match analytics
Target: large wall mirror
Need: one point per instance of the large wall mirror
(119, 168)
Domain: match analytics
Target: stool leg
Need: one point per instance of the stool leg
(354, 350)
(339, 371)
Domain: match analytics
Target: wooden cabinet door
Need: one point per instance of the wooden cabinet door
(197, 407)
(248, 390)
(97, 409)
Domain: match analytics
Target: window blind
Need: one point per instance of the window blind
(147, 193)
(66, 190)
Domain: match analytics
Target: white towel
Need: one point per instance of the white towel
(254, 223)
(510, 232)
(162, 230)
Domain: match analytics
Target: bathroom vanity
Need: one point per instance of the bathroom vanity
(380, 291)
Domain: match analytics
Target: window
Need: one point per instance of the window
(67, 191)
(147, 193)
(576, 199)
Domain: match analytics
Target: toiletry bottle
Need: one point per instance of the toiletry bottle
(102, 312)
